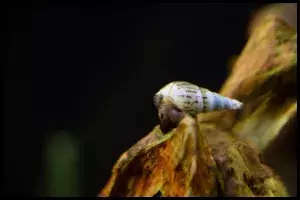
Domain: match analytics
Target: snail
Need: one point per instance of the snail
(193, 99)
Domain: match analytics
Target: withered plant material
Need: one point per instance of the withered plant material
(242, 172)
(264, 78)
(178, 163)
(219, 154)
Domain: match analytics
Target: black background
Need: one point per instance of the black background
(92, 70)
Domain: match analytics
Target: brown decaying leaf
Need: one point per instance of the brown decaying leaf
(180, 164)
(264, 78)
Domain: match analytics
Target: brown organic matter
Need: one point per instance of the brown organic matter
(220, 153)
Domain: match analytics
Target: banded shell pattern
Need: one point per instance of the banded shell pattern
(193, 99)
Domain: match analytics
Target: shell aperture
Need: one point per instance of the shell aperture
(193, 99)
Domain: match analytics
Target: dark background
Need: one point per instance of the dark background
(86, 75)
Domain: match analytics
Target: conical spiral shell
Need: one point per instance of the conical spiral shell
(193, 99)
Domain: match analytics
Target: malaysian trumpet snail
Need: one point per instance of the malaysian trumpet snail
(193, 99)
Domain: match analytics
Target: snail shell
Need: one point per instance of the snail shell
(193, 99)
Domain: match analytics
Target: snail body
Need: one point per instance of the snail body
(193, 99)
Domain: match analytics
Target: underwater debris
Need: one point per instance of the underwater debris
(265, 79)
(179, 164)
